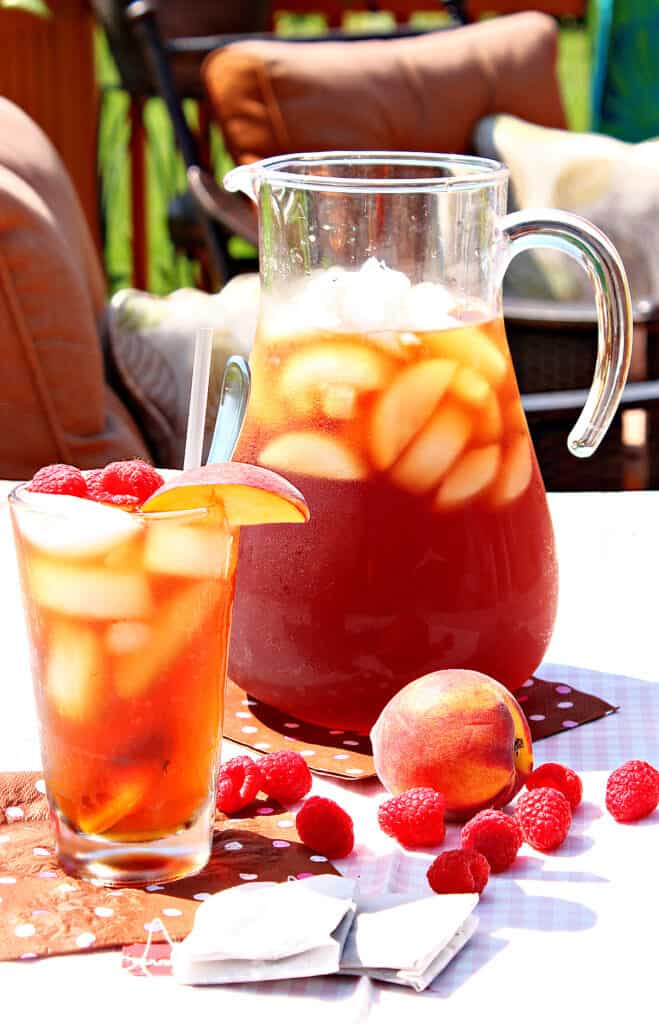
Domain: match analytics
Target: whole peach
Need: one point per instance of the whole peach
(458, 731)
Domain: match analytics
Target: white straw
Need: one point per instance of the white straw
(194, 438)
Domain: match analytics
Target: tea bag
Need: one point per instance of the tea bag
(408, 940)
(267, 930)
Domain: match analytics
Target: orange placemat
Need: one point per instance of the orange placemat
(43, 911)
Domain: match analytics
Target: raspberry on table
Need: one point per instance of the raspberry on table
(632, 791)
(59, 479)
(557, 776)
(285, 776)
(325, 827)
(494, 834)
(458, 871)
(415, 817)
(128, 484)
(238, 782)
(544, 816)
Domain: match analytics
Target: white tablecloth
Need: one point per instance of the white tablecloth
(560, 936)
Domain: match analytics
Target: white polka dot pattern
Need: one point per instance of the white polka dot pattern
(245, 725)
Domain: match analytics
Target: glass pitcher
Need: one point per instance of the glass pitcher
(384, 389)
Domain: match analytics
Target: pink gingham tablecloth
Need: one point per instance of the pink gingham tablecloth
(561, 936)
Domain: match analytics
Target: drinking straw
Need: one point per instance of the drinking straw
(194, 437)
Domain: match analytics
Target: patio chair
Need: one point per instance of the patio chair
(159, 50)
(56, 404)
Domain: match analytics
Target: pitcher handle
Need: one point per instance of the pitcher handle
(555, 229)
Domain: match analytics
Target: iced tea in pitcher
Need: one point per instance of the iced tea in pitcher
(429, 532)
(383, 387)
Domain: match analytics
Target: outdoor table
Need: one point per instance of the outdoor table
(560, 935)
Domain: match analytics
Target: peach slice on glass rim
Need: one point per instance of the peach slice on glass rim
(249, 495)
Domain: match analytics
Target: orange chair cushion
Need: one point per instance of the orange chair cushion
(421, 93)
(54, 403)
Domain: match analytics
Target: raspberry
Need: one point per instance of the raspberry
(557, 776)
(632, 791)
(124, 483)
(286, 776)
(415, 818)
(325, 827)
(59, 479)
(458, 871)
(238, 782)
(545, 817)
(494, 834)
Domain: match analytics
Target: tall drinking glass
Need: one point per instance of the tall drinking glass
(128, 618)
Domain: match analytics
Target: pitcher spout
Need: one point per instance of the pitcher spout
(245, 178)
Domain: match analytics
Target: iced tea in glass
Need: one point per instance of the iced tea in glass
(128, 618)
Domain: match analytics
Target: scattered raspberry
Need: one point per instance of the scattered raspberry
(59, 479)
(557, 776)
(124, 483)
(415, 818)
(238, 782)
(458, 871)
(632, 791)
(286, 776)
(494, 834)
(545, 817)
(325, 827)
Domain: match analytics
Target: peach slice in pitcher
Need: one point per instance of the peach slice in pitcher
(474, 349)
(432, 453)
(488, 423)
(308, 374)
(313, 454)
(249, 495)
(405, 407)
(472, 475)
(515, 472)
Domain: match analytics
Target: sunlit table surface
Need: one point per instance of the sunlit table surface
(560, 936)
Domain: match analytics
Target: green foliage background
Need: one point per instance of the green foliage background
(168, 269)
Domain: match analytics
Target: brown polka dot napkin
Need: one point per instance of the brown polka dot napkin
(554, 707)
(550, 708)
(333, 752)
(43, 911)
